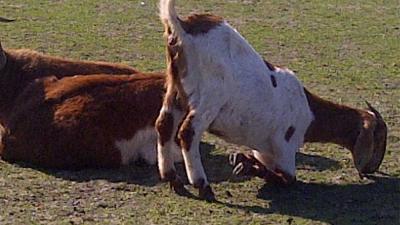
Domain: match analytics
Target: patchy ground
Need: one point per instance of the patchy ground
(346, 51)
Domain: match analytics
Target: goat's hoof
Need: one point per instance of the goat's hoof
(241, 169)
(244, 165)
(178, 187)
(207, 194)
(236, 158)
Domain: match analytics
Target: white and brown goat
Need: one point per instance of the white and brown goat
(217, 82)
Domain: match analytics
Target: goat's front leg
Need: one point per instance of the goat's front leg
(189, 135)
(272, 169)
(167, 126)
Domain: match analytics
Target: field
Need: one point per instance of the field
(345, 51)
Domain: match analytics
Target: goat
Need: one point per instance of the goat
(20, 67)
(97, 121)
(217, 82)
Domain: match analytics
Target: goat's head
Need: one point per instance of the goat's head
(370, 146)
(3, 58)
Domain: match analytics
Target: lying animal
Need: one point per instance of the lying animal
(98, 121)
(217, 82)
(20, 67)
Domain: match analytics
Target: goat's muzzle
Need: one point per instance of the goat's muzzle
(370, 147)
(380, 139)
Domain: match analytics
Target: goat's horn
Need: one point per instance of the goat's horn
(5, 20)
(372, 109)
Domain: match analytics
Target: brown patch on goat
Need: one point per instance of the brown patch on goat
(77, 120)
(289, 133)
(270, 65)
(24, 66)
(186, 133)
(165, 126)
(273, 80)
(196, 24)
(332, 122)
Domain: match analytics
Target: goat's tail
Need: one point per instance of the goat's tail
(169, 16)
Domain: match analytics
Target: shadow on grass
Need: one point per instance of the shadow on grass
(217, 166)
(373, 203)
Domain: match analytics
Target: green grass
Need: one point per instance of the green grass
(345, 51)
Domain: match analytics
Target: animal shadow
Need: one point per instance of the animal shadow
(217, 167)
(374, 203)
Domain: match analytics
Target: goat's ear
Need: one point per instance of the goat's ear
(3, 57)
(363, 150)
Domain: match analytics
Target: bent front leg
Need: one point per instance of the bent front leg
(189, 135)
(264, 166)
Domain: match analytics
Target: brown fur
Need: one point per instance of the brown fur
(358, 130)
(23, 66)
(200, 23)
(186, 133)
(165, 127)
(74, 122)
(333, 123)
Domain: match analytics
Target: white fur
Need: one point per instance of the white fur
(143, 145)
(230, 91)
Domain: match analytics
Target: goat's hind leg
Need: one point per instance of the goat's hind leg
(167, 126)
(190, 136)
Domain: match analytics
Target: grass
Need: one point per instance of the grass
(345, 51)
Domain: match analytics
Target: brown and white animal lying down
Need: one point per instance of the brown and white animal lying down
(20, 67)
(217, 82)
(97, 121)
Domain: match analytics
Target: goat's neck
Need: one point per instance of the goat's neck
(333, 123)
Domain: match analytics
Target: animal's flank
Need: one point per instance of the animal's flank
(20, 67)
(86, 121)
